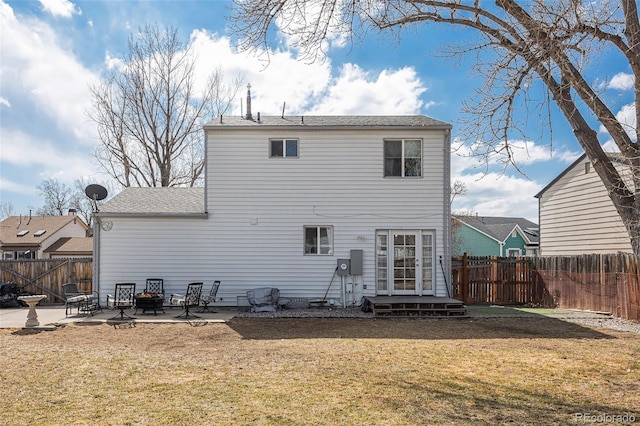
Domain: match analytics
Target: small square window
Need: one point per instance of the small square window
(283, 148)
(318, 240)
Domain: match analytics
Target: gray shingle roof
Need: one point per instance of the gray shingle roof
(500, 227)
(330, 121)
(155, 201)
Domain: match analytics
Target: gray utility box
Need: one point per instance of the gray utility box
(356, 262)
(344, 267)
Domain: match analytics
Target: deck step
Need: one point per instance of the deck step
(417, 307)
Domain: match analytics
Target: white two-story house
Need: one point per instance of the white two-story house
(286, 201)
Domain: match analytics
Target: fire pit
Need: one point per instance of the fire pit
(149, 301)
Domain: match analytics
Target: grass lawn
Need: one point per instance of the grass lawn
(320, 371)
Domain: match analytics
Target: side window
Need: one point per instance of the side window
(283, 148)
(403, 158)
(318, 240)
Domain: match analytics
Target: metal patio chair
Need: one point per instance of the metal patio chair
(123, 298)
(210, 298)
(190, 299)
(83, 302)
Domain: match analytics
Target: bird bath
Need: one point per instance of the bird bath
(32, 301)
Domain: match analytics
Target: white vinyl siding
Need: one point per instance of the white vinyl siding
(578, 217)
(258, 209)
(337, 181)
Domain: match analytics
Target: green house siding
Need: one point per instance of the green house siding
(516, 242)
(474, 243)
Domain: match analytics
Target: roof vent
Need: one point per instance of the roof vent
(22, 233)
(39, 232)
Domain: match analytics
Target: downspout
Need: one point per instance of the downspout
(95, 285)
(447, 215)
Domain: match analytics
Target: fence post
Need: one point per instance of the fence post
(465, 279)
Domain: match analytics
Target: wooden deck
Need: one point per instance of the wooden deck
(416, 306)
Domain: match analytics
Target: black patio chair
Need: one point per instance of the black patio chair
(190, 299)
(123, 298)
(83, 302)
(155, 285)
(210, 298)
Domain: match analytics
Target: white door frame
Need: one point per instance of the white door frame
(395, 276)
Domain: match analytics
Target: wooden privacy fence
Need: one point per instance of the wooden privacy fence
(598, 282)
(46, 276)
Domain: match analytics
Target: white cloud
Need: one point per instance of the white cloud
(494, 191)
(525, 153)
(356, 91)
(295, 25)
(4, 101)
(46, 155)
(627, 117)
(39, 159)
(621, 81)
(496, 194)
(309, 88)
(610, 146)
(35, 65)
(62, 8)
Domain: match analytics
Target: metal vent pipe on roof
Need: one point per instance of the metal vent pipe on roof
(249, 116)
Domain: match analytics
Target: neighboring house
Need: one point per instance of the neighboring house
(40, 237)
(577, 216)
(286, 200)
(495, 236)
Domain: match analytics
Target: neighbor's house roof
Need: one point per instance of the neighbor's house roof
(500, 228)
(72, 246)
(32, 231)
(159, 201)
(329, 121)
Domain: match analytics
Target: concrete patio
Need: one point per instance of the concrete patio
(51, 315)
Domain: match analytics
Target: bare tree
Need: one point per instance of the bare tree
(6, 209)
(149, 112)
(519, 45)
(458, 187)
(58, 197)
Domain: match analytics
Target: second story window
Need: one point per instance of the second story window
(403, 158)
(283, 148)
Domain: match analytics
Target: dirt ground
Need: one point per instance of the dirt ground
(476, 327)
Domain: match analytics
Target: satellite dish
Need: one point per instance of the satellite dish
(96, 192)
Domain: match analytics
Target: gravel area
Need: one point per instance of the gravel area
(590, 319)
(608, 322)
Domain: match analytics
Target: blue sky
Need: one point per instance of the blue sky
(52, 50)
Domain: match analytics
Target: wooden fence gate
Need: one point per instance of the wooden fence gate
(46, 276)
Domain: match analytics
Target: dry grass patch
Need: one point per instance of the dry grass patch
(320, 371)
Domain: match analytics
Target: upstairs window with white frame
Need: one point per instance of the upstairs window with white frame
(318, 240)
(283, 148)
(403, 158)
